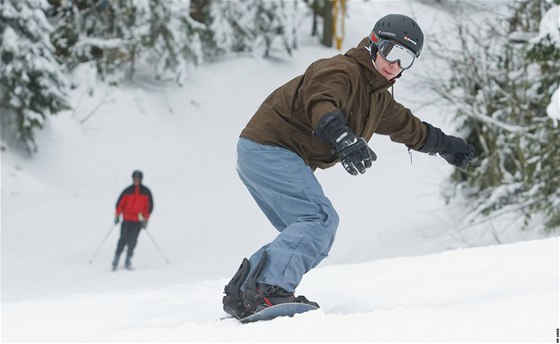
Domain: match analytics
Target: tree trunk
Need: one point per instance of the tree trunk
(199, 10)
(327, 24)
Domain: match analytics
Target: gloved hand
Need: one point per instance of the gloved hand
(355, 154)
(117, 219)
(457, 152)
(453, 149)
(144, 224)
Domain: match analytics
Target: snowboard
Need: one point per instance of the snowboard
(281, 310)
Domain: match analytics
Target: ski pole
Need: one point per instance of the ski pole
(102, 242)
(156, 245)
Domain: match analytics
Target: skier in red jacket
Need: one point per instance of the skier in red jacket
(135, 204)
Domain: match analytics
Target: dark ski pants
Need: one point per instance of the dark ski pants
(129, 237)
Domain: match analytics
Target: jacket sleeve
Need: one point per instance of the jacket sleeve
(402, 126)
(325, 89)
(147, 202)
(150, 203)
(120, 204)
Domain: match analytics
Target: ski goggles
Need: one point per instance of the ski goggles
(392, 51)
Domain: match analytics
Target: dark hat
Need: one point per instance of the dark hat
(137, 174)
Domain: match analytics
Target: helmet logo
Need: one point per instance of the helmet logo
(406, 38)
(386, 33)
(373, 38)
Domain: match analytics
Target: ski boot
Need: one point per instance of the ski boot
(115, 262)
(128, 263)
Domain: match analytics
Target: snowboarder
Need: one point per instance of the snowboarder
(135, 204)
(320, 118)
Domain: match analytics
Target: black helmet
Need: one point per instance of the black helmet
(137, 174)
(398, 28)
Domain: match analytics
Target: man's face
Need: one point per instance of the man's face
(388, 69)
(136, 180)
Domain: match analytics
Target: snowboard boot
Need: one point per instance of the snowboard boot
(128, 263)
(258, 296)
(265, 295)
(233, 301)
(115, 262)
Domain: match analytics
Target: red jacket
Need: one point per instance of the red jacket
(133, 200)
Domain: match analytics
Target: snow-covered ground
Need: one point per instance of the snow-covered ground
(400, 270)
(495, 294)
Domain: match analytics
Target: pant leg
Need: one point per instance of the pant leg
(266, 208)
(123, 238)
(134, 231)
(291, 192)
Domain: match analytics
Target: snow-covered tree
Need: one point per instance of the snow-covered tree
(227, 34)
(32, 85)
(271, 23)
(157, 32)
(544, 53)
(501, 81)
(120, 35)
(252, 25)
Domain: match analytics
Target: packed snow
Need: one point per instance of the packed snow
(404, 267)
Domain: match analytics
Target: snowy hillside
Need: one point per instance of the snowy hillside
(492, 294)
(395, 272)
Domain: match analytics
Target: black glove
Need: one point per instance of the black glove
(453, 149)
(117, 219)
(354, 153)
(144, 224)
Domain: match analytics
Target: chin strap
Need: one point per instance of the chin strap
(373, 51)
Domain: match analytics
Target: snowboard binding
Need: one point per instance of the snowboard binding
(233, 301)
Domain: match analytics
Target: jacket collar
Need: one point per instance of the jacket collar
(361, 55)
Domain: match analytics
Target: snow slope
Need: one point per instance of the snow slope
(390, 276)
(491, 294)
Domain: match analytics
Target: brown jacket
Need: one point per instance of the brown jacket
(346, 82)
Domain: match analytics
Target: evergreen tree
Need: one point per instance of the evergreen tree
(501, 83)
(32, 85)
(159, 33)
(252, 25)
(544, 53)
(227, 33)
(199, 11)
(271, 23)
(121, 34)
